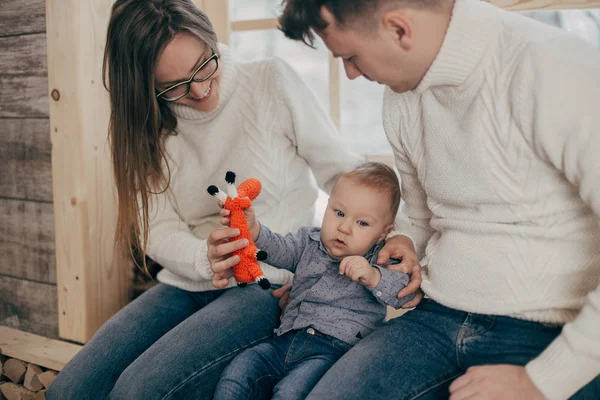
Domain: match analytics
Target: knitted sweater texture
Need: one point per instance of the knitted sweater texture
(267, 125)
(498, 149)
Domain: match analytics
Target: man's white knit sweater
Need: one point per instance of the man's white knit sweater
(267, 125)
(498, 150)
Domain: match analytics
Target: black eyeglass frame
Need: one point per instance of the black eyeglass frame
(188, 82)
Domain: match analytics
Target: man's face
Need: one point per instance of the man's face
(376, 55)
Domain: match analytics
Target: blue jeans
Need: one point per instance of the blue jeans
(418, 355)
(168, 344)
(283, 367)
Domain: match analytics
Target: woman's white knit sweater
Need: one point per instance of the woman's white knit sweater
(498, 149)
(267, 125)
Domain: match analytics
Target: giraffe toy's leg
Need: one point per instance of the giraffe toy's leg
(253, 255)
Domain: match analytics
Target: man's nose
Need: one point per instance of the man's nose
(351, 71)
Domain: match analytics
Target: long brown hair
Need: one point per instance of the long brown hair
(138, 31)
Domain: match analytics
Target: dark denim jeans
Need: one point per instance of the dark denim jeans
(283, 367)
(168, 344)
(418, 355)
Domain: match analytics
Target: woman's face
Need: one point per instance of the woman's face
(178, 61)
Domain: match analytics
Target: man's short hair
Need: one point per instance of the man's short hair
(379, 177)
(299, 17)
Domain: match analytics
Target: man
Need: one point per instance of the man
(493, 119)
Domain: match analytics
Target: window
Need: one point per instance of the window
(361, 100)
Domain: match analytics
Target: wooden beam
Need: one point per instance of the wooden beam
(39, 350)
(335, 91)
(536, 5)
(218, 13)
(254, 25)
(93, 279)
(20, 17)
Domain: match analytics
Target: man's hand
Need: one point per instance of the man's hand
(219, 254)
(495, 382)
(402, 247)
(358, 269)
(283, 294)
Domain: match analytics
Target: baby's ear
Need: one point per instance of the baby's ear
(385, 232)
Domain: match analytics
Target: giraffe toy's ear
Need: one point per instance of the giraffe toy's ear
(250, 188)
(217, 193)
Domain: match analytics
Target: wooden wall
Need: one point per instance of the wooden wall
(28, 297)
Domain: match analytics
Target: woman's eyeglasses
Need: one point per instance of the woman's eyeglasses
(202, 73)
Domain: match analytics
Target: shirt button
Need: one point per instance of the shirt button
(310, 331)
(378, 293)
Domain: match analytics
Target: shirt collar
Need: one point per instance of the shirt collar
(472, 27)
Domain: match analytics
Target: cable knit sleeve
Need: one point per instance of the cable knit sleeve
(310, 129)
(172, 244)
(556, 95)
(413, 220)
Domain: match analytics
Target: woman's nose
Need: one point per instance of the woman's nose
(198, 88)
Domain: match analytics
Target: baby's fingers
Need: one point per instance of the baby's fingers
(344, 265)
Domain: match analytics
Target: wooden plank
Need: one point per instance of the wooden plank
(254, 25)
(23, 77)
(218, 13)
(28, 306)
(22, 16)
(531, 5)
(93, 279)
(25, 153)
(27, 240)
(39, 350)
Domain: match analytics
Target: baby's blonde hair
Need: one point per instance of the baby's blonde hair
(377, 176)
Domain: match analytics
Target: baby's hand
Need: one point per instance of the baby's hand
(358, 269)
(248, 212)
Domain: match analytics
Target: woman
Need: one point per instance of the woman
(183, 113)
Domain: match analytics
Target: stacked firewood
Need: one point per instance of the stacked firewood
(23, 381)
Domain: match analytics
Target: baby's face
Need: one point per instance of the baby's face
(356, 218)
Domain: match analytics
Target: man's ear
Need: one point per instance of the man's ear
(398, 23)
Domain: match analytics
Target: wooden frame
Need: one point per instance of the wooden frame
(93, 280)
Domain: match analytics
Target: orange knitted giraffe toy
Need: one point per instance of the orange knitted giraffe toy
(236, 201)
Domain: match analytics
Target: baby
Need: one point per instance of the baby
(339, 293)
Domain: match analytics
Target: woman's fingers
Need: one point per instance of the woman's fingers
(223, 249)
(224, 217)
(221, 280)
(225, 264)
(218, 235)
